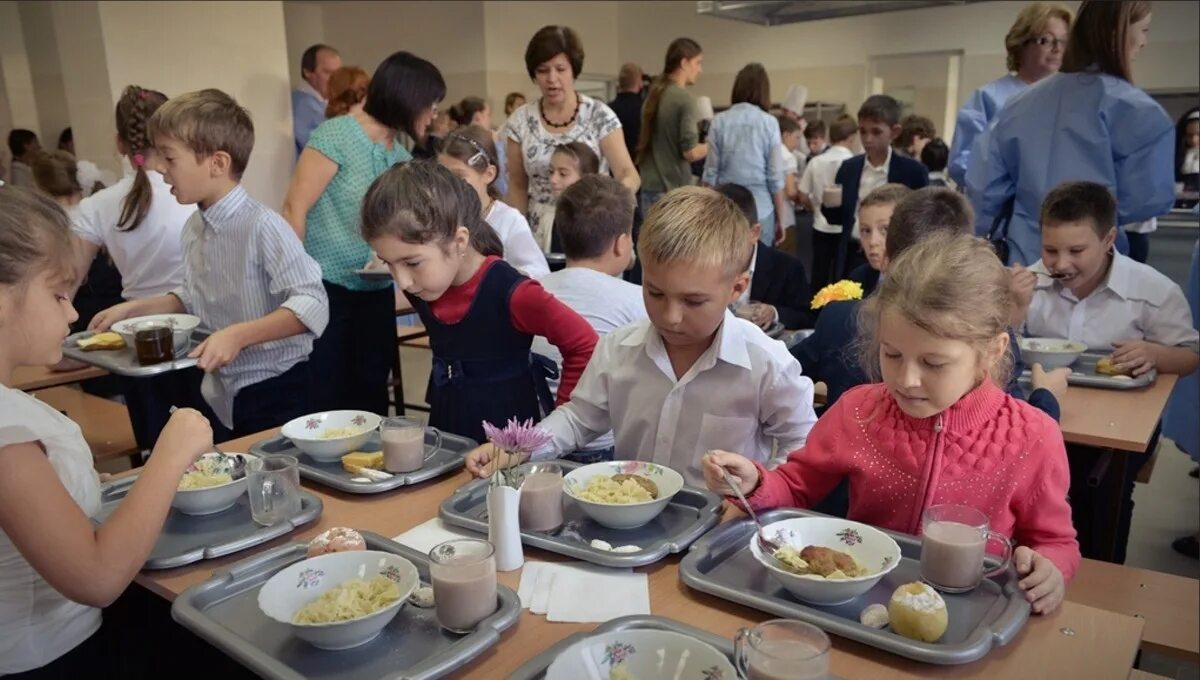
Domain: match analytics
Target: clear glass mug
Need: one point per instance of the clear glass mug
(541, 497)
(463, 574)
(782, 649)
(274, 488)
(404, 444)
(954, 540)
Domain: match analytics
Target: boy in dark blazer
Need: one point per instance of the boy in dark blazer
(878, 125)
(779, 282)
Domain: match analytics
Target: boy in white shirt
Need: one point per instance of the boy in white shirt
(790, 135)
(817, 179)
(693, 377)
(593, 219)
(1102, 298)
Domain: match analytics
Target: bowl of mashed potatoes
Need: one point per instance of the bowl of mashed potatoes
(622, 494)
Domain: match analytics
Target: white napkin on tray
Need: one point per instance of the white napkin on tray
(424, 536)
(567, 592)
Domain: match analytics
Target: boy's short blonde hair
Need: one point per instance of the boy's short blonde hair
(887, 194)
(207, 121)
(697, 225)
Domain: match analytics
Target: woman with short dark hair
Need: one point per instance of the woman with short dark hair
(745, 148)
(554, 59)
(344, 155)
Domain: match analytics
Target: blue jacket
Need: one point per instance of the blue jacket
(307, 113)
(1072, 127)
(830, 355)
(975, 117)
(903, 170)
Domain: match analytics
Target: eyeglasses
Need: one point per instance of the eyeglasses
(1051, 42)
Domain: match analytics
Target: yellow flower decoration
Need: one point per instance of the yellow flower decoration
(837, 292)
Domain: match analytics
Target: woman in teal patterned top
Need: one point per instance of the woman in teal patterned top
(351, 361)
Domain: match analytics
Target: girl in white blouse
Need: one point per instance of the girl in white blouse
(56, 568)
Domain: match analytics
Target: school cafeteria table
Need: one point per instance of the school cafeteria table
(30, 378)
(1078, 641)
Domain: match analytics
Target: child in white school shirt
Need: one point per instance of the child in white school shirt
(246, 275)
(693, 377)
(56, 568)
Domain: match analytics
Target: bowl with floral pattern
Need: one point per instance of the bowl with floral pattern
(292, 588)
(615, 508)
(642, 654)
(329, 435)
(873, 551)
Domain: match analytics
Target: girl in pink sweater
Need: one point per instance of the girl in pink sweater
(938, 429)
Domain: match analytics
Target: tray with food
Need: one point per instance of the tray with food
(346, 605)
(139, 347)
(358, 452)
(1088, 368)
(615, 514)
(211, 514)
(858, 582)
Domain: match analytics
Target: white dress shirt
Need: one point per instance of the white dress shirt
(790, 167)
(520, 250)
(149, 256)
(241, 262)
(743, 392)
(606, 302)
(1135, 302)
(819, 176)
(872, 178)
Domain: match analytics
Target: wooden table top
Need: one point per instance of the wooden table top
(1118, 419)
(1097, 644)
(29, 378)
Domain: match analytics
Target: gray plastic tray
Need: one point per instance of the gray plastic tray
(689, 514)
(224, 611)
(449, 458)
(535, 668)
(1083, 374)
(124, 361)
(721, 564)
(191, 538)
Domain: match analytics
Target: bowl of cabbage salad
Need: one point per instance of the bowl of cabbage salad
(339, 600)
(211, 484)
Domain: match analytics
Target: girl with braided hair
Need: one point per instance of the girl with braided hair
(139, 222)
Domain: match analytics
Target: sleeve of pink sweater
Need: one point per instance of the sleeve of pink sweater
(810, 473)
(1043, 517)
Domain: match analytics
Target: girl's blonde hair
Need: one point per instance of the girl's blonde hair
(950, 286)
(1030, 24)
(56, 173)
(35, 235)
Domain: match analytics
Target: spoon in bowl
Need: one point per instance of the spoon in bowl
(766, 545)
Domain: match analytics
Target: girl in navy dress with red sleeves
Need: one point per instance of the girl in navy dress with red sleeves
(480, 312)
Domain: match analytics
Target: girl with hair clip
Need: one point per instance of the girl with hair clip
(58, 569)
(140, 224)
(938, 429)
(469, 153)
(480, 312)
(476, 111)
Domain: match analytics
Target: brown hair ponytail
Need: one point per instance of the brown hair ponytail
(422, 202)
(133, 112)
(679, 49)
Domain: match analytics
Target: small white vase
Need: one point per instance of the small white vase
(504, 529)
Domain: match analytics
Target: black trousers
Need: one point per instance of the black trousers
(1102, 526)
(150, 400)
(266, 404)
(351, 361)
(824, 256)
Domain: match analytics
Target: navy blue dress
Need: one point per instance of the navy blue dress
(482, 366)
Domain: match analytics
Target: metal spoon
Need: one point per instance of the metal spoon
(766, 545)
(215, 449)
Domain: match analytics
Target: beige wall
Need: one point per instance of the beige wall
(19, 106)
(89, 96)
(41, 44)
(243, 52)
(304, 23)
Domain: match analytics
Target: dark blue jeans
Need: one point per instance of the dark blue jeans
(589, 457)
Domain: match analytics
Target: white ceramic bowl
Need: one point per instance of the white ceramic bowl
(877, 551)
(1051, 353)
(624, 515)
(306, 432)
(291, 588)
(210, 500)
(183, 324)
(647, 654)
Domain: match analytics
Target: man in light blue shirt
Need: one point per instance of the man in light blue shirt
(309, 99)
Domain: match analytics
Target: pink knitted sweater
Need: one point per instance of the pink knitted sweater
(989, 451)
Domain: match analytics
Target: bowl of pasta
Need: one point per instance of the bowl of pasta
(339, 600)
(329, 435)
(827, 560)
(623, 494)
(213, 483)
